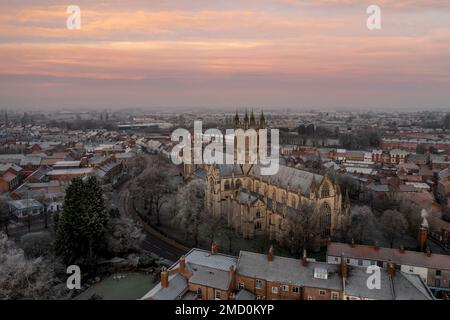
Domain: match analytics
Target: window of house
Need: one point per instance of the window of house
(199, 293)
(295, 289)
(438, 273)
(437, 282)
(258, 297)
(258, 214)
(258, 284)
(217, 294)
(360, 262)
(336, 259)
(322, 292)
(334, 296)
(285, 288)
(411, 269)
(274, 290)
(241, 285)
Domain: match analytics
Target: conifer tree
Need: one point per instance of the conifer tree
(80, 229)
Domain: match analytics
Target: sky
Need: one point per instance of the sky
(312, 54)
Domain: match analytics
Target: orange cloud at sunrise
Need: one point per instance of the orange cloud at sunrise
(225, 54)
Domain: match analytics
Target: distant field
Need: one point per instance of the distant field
(132, 287)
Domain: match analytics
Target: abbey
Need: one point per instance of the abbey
(255, 204)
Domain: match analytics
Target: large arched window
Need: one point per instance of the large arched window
(325, 191)
(325, 220)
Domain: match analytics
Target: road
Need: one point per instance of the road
(155, 242)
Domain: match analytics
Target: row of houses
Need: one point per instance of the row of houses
(209, 275)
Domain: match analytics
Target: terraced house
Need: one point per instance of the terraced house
(209, 275)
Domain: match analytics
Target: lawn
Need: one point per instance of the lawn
(132, 287)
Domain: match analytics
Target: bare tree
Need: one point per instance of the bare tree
(412, 214)
(191, 208)
(154, 187)
(362, 223)
(302, 228)
(394, 226)
(22, 278)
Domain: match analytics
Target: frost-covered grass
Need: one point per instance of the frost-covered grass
(131, 287)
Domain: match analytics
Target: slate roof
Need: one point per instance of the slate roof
(410, 258)
(287, 270)
(288, 176)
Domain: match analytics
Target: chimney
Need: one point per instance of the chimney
(391, 268)
(214, 248)
(402, 249)
(422, 237)
(305, 258)
(232, 273)
(428, 252)
(270, 254)
(182, 264)
(353, 243)
(164, 277)
(344, 267)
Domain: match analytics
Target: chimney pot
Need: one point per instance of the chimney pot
(391, 268)
(164, 277)
(214, 248)
(305, 258)
(422, 237)
(182, 264)
(270, 254)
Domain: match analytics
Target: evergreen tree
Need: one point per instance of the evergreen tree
(81, 226)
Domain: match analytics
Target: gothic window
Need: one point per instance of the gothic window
(258, 214)
(258, 226)
(238, 184)
(227, 185)
(325, 191)
(325, 220)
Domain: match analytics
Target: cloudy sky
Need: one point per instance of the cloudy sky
(230, 53)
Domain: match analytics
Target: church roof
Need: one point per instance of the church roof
(226, 170)
(289, 177)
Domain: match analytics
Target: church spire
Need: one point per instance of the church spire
(236, 120)
(246, 120)
(252, 120)
(262, 121)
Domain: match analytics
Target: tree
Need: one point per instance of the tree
(37, 244)
(394, 226)
(412, 214)
(5, 215)
(362, 224)
(302, 228)
(22, 278)
(124, 235)
(154, 186)
(191, 208)
(81, 226)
